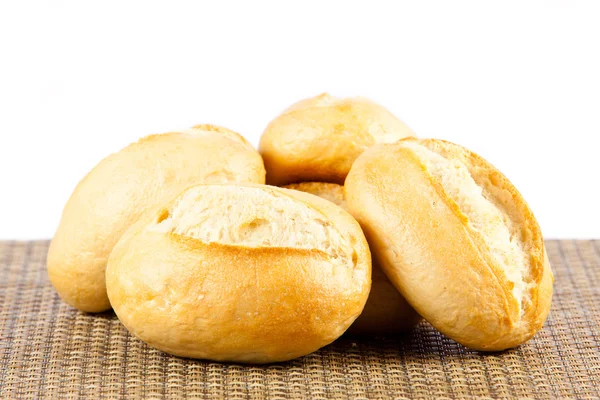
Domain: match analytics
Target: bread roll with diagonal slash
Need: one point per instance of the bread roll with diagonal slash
(456, 239)
(244, 273)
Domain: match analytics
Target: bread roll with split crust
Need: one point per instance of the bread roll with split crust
(243, 273)
(318, 139)
(123, 186)
(456, 238)
(386, 311)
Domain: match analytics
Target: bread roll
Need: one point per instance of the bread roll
(386, 311)
(123, 186)
(318, 139)
(244, 273)
(456, 238)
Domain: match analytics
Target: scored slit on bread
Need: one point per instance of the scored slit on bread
(456, 238)
(244, 273)
(253, 217)
(484, 217)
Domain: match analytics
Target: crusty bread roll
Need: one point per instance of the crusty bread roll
(318, 139)
(386, 310)
(456, 238)
(121, 187)
(245, 273)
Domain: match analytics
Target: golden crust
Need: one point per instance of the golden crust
(318, 139)
(224, 131)
(231, 302)
(329, 191)
(386, 311)
(510, 200)
(126, 184)
(430, 252)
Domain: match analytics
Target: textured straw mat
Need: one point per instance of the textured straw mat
(48, 349)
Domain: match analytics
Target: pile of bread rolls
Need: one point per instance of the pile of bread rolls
(360, 226)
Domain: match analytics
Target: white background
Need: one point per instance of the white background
(516, 81)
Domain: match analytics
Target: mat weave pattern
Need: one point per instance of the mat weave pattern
(48, 349)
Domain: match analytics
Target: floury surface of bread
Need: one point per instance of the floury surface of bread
(126, 184)
(318, 139)
(244, 273)
(386, 311)
(456, 238)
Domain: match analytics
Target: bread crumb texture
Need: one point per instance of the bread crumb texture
(484, 217)
(253, 217)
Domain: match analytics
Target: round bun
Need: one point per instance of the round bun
(124, 185)
(318, 139)
(386, 311)
(456, 238)
(244, 273)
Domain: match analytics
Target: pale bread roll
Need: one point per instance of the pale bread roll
(318, 139)
(244, 273)
(386, 311)
(456, 238)
(126, 184)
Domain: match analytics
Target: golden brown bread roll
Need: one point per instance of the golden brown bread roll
(245, 273)
(456, 238)
(126, 184)
(386, 310)
(318, 139)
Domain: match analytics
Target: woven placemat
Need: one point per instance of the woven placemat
(48, 349)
